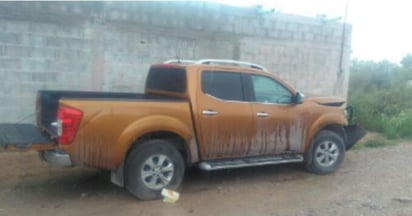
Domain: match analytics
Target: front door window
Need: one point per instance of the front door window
(270, 91)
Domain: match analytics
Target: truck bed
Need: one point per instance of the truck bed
(48, 101)
(27, 136)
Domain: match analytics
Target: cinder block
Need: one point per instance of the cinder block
(286, 35)
(10, 38)
(280, 26)
(309, 36)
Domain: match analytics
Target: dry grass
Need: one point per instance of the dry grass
(374, 140)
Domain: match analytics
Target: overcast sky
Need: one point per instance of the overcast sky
(381, 29)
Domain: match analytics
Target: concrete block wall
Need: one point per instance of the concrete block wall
(109, 46)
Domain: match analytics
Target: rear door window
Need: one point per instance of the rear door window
(167, 79)
(223, 85)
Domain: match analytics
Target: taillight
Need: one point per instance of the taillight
(68, 120)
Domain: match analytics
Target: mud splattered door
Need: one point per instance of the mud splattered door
(277, 128)
(224, 117)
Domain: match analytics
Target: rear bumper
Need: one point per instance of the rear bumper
(353, 133)
(56, 158)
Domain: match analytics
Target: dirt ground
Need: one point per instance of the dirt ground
(370, 182)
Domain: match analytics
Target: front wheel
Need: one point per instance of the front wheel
(326, 153)
(152, 166)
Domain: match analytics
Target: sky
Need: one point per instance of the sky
(381, 29)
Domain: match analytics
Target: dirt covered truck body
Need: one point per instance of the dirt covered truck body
(216, 114)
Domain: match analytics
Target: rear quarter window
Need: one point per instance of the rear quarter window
(167, 79)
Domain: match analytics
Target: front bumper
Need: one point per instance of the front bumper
(56, 157)
(353, 134)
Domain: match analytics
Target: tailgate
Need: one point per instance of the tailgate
(23, 137)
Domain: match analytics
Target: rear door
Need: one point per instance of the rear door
(23, 137)
(223, 116)
(278, 128)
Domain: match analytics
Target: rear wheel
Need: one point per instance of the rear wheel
(326, 153)
(152, 166)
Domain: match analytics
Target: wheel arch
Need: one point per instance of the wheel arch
(175, 139)
(338, 129)
(159, 127)
(332, 122)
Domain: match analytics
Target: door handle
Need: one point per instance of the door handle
(262, 114)
(209, 112)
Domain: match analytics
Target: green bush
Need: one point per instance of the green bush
(400, 126)
(381, 98)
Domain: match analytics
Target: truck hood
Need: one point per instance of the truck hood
(326, 100)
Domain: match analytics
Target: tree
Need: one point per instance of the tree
(370, 75)
(407, 61)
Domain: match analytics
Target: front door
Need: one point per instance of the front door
(278, 129)
(223, 116)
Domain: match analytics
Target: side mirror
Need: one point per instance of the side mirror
(298, 98)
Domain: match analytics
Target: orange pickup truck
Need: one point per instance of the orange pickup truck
(214, 114)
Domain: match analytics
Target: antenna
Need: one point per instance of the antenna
(178, 59)
(339, 82)
(342, 43)
(177, 51)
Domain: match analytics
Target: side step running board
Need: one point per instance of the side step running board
(250, 161)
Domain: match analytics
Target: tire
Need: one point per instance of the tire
(145, 173)
(326, 153)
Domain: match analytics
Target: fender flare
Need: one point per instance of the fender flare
(321, 123)
(150, 124)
